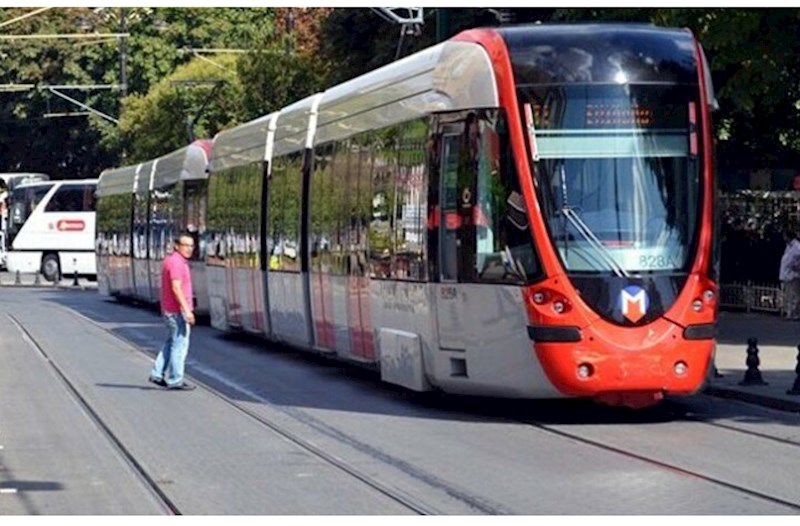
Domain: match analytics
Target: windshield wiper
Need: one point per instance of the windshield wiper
(584, 230)
(595, 243)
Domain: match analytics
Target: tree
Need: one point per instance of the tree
(276, 78)
(31, 139)
(154, 124)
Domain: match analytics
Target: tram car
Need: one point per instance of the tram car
(140, 209)
(522, 212)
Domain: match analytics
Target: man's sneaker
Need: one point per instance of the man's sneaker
(182, 387)
(157, 381)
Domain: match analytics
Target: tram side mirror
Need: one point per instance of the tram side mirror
(516, 211)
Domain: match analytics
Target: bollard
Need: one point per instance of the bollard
(37, 280)
(17, 280)
(795, 390)
(75, 273)
(752, 376)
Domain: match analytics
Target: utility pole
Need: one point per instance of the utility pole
(123, 54)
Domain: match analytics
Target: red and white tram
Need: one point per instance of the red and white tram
(140, 208)
(517, 212)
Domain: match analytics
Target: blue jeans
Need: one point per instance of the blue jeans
(171, 359)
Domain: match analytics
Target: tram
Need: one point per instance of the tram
(140, 208)
(521, 212)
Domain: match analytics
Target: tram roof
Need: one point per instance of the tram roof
(185, 164)
(446, 77)
(450, 76)
(243, 144)
(116, 181)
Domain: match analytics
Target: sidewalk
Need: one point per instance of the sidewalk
(8, 279)
(777, 344)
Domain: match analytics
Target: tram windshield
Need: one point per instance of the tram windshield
(618, 173)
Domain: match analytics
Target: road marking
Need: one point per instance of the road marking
(8, 490)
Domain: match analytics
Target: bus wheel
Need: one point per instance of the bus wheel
(50, 267)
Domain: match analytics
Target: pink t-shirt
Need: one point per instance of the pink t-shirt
(174, 267)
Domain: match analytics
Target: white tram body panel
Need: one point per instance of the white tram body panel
(237, 295)
(289, 300)
(115, 274)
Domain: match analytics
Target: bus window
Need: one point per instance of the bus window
(72, 198)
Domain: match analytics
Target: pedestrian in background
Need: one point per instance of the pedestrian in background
(176, 308)
(790, 275)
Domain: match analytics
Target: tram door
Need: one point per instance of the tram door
(455, 198)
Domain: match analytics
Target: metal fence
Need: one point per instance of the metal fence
(751, 297)
(753, 223)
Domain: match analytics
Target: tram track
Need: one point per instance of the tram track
(415, 505)
(672, 467)
(118, 445)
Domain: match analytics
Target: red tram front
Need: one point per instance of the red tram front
(618, 185)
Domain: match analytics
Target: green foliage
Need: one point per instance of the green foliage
(203, 92)
(754, 54)
(276, 77)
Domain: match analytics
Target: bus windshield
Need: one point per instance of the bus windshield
(618, 173)
(22, 203)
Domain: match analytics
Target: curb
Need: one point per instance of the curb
(754, 398)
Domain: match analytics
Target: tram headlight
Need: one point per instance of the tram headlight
(697, 305)
(559, 307)
(585, 370)
(539, 298)
(709, 295)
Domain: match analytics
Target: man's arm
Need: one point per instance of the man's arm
(186, 307)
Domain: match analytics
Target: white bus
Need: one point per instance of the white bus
(9, 181)
(51, 228)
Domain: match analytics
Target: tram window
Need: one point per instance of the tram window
(339, 207)
(411, 201)
(284, 213)
(218, 208)
(384, 175)
(361, 204)
(484, 232)
(321, 213)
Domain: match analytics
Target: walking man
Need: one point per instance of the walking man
(176, 307)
